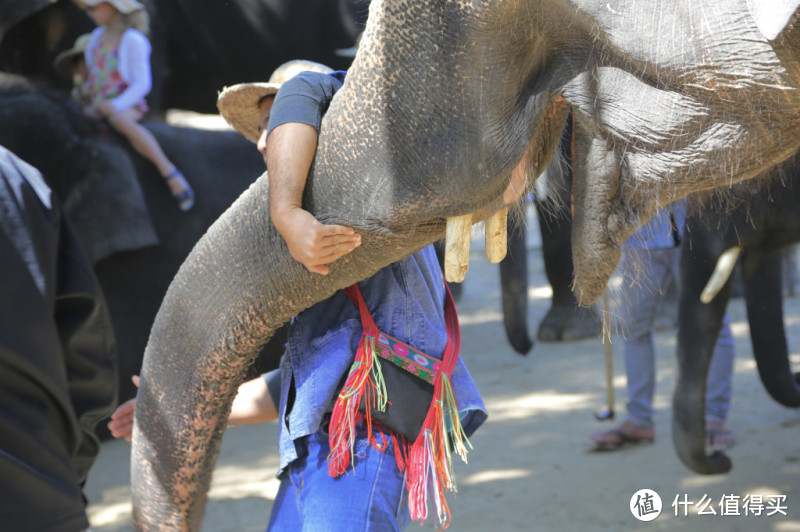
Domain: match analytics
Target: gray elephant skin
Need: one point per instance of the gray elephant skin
(127, 220)
(565, 320)
(442, 101)
(761, 223)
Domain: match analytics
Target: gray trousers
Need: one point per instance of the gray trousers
(646, 274)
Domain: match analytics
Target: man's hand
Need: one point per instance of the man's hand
(313, 244)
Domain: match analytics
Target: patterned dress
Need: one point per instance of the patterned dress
(105, 81)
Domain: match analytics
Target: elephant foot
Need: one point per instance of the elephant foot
(566, 324)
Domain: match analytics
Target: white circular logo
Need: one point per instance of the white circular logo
(645, 505)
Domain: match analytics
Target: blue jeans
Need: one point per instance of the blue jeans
(646, 273)
(370, 496)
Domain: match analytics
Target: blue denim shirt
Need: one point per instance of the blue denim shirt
(658, 231)
(406, 300)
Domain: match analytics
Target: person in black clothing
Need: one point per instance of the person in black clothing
(58, 358)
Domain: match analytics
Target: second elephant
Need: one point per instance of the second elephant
(765, 220)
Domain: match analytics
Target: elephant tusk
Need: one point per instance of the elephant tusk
(456, 248)
(496, 230)
(721, 274)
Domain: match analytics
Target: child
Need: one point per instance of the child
(71, 64)
(118, 60)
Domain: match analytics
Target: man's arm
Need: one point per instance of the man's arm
(254, 403)
(291, 143)
(290, 152)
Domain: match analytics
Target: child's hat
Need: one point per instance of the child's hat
(63, 60)
(123, 6)
(239, 104)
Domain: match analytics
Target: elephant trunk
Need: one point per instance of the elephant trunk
(698, 329)
(688, 420)
(238, 285)
(514, 281)
(767, 333)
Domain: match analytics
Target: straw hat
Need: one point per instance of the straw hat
(123, 6)
(63, 60)
(238, 104)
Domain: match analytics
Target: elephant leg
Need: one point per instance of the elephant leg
(565, 320)
(698, 329)
(762, 280)
(514, 284)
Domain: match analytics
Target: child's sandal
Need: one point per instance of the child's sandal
(185, 197)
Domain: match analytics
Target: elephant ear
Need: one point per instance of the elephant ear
(107, 206)
(772, 16)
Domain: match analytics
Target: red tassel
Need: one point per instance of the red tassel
(346, 414)
(427, 462)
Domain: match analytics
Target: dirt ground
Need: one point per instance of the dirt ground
(532, 467)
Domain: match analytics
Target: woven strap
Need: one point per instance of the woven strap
(453, 347)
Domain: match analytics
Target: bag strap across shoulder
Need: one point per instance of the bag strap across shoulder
(453, 347)
(426, 461)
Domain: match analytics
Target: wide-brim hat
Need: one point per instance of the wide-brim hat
(123, 6)
(238, 104)
(62, 61)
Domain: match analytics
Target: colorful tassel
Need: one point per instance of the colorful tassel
(427, 462)
(364, 381)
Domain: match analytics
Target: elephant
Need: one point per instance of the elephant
(443, 102)
(565, 320)
(125, 217)
(197, 46)
(186, 79)
(757, 228)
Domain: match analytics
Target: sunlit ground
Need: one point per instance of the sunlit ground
(532, 466)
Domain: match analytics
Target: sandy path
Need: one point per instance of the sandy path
(532, 467)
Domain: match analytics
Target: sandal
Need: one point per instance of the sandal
(185, 197)
(719, 439)
(616, 439)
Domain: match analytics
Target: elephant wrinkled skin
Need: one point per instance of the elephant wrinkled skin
(443, 100)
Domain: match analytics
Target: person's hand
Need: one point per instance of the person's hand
(121, 424)
(314, 244)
